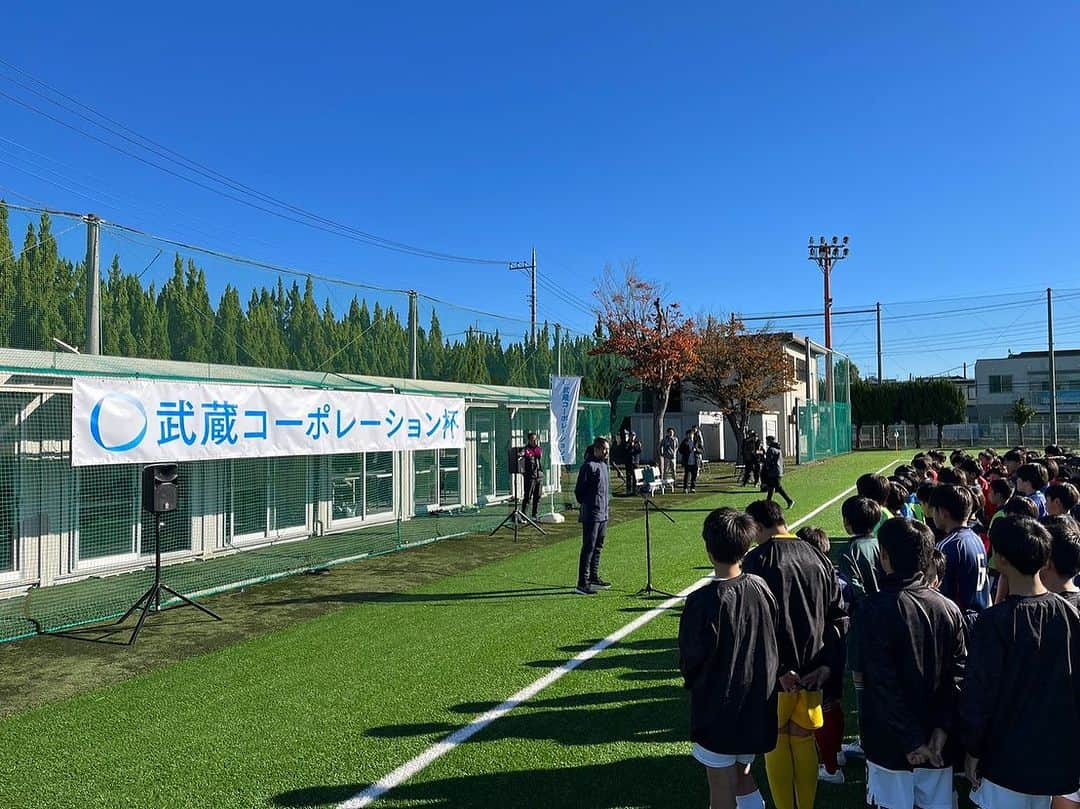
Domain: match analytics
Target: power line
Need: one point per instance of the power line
(309, 218)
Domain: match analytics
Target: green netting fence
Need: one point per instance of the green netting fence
(75, 546)
(824, 430)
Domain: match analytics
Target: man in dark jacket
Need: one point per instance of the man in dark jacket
(913, 658)
(752, 455)
(1020, 703)
(592, 492)
(772, 471)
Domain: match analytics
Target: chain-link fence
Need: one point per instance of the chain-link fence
(996, 433)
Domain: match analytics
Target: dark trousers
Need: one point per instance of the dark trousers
(773, 485)
(689, 477)
(592, 542)
(630, 479)
(751, 471)
(531, 495)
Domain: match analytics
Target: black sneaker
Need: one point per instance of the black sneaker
(791, 505)
(599, 583)
(585, 590)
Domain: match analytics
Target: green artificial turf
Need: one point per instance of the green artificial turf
(311, 713)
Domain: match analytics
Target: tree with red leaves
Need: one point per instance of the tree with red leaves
(657, 341)
(739, 370)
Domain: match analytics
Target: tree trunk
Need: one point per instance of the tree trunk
(1020, 427)
(739, 433)
(659, 412)
(940, 435)
(858, 436)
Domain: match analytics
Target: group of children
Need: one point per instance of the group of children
(953, 605)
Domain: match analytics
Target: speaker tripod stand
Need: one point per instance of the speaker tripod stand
(516, 519)
(151, 599)
(521, 494)
(648, 589)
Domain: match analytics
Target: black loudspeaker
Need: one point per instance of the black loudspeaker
(160, 487)
(513, 460)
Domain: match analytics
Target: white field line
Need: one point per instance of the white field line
(441, 748)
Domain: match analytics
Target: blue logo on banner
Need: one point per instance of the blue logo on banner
(95, 422)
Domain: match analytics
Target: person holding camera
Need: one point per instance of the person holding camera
(690, 453)
(532, 471)
(669, 446)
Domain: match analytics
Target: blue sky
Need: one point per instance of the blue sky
(706, 142)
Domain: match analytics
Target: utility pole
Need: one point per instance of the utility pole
(558, 349)
(1053, 364)
(826, 255)
(532, 298)
(809, 375)
(879, 372)
(93, 285)
(414, 371)
(531, 267)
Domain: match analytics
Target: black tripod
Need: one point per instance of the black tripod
(648, 589)
(517, 518)
(151, 599)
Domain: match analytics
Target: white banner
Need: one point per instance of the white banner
(565, 391)
(129, 421)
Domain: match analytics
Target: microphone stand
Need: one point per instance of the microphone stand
(648, 589)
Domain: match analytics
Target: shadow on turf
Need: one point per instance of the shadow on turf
(651, 713)
(113, 634)
(376, 597)
(650, 781)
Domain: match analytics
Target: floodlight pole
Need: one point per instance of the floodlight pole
(826, 255)
(1053, 365)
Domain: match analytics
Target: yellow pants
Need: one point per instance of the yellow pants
(792, 767)
(803, 708)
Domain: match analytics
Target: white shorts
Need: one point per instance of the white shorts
(717, 761)
(1074, 797)
(991, 796)
(903, 789)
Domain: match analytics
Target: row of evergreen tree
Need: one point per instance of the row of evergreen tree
(43, 295)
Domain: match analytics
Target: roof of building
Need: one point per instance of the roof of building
(21, 362)
(801, 341)
(1058, 352)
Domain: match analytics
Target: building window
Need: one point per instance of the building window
(269, 497)
(1001, 383)
(108, 511)
(9, 501)
(449, 477)
(489, 431)
(362, 484)
(436, 478)
(378, 483)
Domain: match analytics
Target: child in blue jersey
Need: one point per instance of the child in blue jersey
(966, 579)
(1031, 479)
